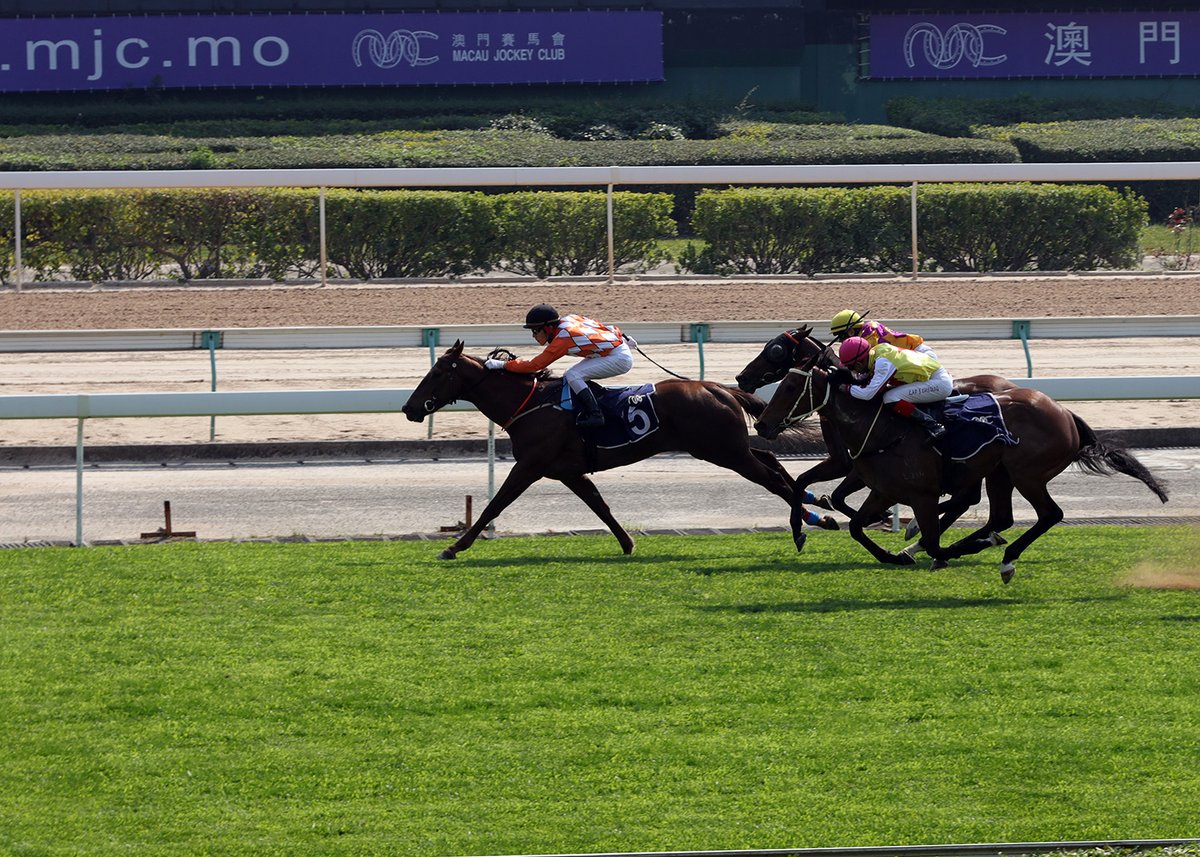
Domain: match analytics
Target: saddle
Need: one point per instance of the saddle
(629, 414)
(972, 422)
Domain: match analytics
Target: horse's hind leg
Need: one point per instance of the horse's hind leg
(585, 489)
(1048, 514)
(1000, 517)
(519, 479)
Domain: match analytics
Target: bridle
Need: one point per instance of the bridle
(431, 404)
(792, 417)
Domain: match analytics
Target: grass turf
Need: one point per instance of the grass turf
(549, 695)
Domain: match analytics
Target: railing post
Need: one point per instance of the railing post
(430, 336)
(697, 333)
(19, 272)
(321, 232)
(611, 240)
(79, 484)
(1021, 331)
(212, 340)
(913, 227)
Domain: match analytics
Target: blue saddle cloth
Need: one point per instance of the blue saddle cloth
(629, 414)
(971, 425)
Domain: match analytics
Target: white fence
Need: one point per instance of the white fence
(606, 177)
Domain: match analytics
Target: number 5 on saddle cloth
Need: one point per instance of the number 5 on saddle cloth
(629, 414)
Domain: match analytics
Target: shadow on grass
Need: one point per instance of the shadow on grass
(840, 605)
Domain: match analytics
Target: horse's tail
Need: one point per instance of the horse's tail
(1109, 458)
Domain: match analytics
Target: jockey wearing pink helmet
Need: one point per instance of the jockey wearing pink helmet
(915, 376)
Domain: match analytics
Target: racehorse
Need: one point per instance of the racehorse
(702, 418)
(797, 345)
(898, 463)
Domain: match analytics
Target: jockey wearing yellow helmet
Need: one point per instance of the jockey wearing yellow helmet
(849, 323)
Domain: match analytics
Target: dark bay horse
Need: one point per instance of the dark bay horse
(796, 346)
(898, 463)
(702, 418)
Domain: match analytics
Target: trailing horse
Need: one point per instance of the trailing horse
(702, 418)
(898, 464)
(798, 345)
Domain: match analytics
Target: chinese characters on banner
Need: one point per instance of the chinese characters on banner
(178, 51)
(1035, 44)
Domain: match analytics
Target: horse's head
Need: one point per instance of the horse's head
(804, 390)
(786, 350)
(443, 384)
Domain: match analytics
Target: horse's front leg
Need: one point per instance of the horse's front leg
(868, 513)
(585, 489)
(823, 471)
(519, 479)
(925, 510)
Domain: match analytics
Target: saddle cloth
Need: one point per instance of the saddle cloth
(971, 425)
(629, 414)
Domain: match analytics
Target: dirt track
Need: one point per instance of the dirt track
(496, 302)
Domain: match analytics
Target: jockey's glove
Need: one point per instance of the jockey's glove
(493, 363)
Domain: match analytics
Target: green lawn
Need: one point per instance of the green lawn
(550, 695)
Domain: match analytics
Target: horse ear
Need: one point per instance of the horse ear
(457, 347)
(804, 330)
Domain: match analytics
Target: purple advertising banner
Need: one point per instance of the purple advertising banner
(177, 51)
(1041, 44)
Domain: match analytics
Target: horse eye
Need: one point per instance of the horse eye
(775, 352)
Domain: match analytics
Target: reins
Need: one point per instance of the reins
(792, 417)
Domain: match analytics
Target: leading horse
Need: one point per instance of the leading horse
(702, 418)
(898, 463)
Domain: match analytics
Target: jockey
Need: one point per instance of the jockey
(850, 323)
(920, 378)
(604, 348)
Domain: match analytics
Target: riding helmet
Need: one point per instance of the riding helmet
(844, 322)
(854, 350)
(539, 316)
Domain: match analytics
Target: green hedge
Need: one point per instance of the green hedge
(961, 227)
(199, 234)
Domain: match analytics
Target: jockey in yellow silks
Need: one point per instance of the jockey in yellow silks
(914, 376)
(850, 323)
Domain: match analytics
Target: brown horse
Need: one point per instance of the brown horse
(898, 463)
(702, 418)
(798, 345)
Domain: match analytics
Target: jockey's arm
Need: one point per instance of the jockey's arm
(884, 369)
(555, 348)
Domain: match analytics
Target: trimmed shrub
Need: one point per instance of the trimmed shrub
(382, 234)
(967, 227)
(547, 234)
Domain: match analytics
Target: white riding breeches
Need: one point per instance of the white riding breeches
(939, 386)
(925, 349)
(616, 362)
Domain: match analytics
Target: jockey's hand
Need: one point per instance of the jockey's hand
(493, 363)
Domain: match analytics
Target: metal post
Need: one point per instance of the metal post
(212, 340)
(79, 484)
(913, 216)
(698, 333)
(1021, 331)
(20, 272)
(611, 242)
(491, 449)
(430, 336)
(321, 229)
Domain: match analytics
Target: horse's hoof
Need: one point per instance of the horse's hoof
(903, 558)
(912, 550)
(995, 539)
(1007, 570)
(448, 554)
(828, 523)
(910, 532)
(800, 539)
(823, 502)
(939, 564)
(628, 547)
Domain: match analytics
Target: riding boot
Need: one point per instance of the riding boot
(932, 426)
(590, 415)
